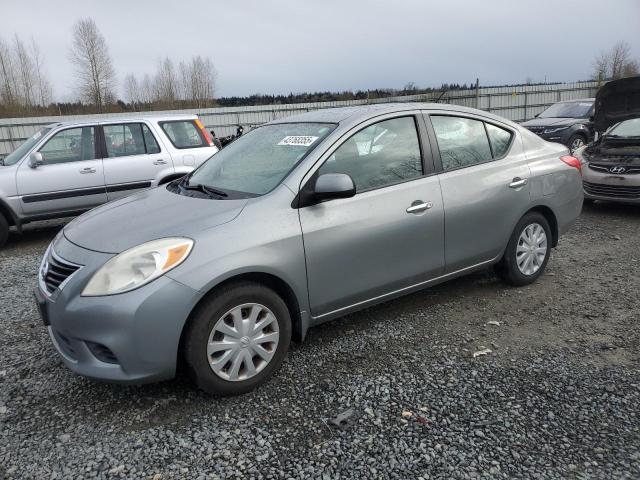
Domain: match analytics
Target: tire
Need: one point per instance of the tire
(509, 268)
(576, 141)
(4, 231)
(246, 300)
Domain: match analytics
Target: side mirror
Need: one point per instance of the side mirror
(35, 160)
(333, 185)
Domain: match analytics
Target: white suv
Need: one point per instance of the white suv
(67, 168)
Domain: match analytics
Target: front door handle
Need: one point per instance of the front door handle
(88, 170)
(518, 182)
(159, 162)
(419, 206)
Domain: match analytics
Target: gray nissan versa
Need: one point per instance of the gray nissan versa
(300, 221)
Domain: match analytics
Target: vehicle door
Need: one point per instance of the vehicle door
(484, 180)
(387, 237)
(71, 177)
(133, 158)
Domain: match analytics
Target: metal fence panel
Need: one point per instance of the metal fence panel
(517, 103)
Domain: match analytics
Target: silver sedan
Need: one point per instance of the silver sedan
(298, 222)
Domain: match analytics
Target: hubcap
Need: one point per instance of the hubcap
(532, 249)
(243, 342)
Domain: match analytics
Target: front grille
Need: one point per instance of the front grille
(617, 191)
(56, 272)
(606, 168)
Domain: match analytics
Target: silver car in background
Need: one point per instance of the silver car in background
(300, 221)
(69, 167)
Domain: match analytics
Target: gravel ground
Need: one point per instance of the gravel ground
(557, 397)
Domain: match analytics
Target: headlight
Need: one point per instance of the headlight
(554, 130)
(138, 266)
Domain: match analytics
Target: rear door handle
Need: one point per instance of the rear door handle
(518, 182)
(419, 206)
(88, 170)
(159, 162)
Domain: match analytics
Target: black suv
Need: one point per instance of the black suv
(565, 122)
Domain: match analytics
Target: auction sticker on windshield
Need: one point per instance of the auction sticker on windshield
(298, 140)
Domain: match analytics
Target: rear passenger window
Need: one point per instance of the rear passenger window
(184, 134)
(462, 141)
(382, 154)
(124, 139)
(500, 140)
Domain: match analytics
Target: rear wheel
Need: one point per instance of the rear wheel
(237, 339)
(4, 230)
(575, 142)
(527, 253)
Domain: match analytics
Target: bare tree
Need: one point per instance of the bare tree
(43, 90)
(25, 72)
(8, 80)
(166, 86)
(615, 63)
(147, 89)
(94, 70)
(131, 89)
(198, 81)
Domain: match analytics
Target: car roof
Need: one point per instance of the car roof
(359, 113)
(122, 118)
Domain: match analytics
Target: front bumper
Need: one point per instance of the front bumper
(127, 338)
(609, 187)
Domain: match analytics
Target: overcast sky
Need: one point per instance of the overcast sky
(282, 46)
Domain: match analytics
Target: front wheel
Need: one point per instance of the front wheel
(527, 253)
(237, 338)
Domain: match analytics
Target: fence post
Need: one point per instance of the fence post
(477, 93)
(526, 102)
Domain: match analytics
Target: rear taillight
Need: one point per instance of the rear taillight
(572, 162)
(205, 134)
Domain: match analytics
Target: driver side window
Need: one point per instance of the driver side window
(382, 154)
(71, 145)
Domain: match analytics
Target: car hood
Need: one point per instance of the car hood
(551, 122)
(148, 215)
(616, 101)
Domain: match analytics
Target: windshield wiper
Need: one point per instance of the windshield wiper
(207, 190)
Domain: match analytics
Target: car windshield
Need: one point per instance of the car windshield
(258, 161)
(626, 129)
(19, 152)
(567, 110)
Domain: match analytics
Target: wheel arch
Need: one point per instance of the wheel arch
(9, 215)
(550, 216)
(274, 282)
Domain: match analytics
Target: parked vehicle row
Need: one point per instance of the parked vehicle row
(295, 223)
(69, 167)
